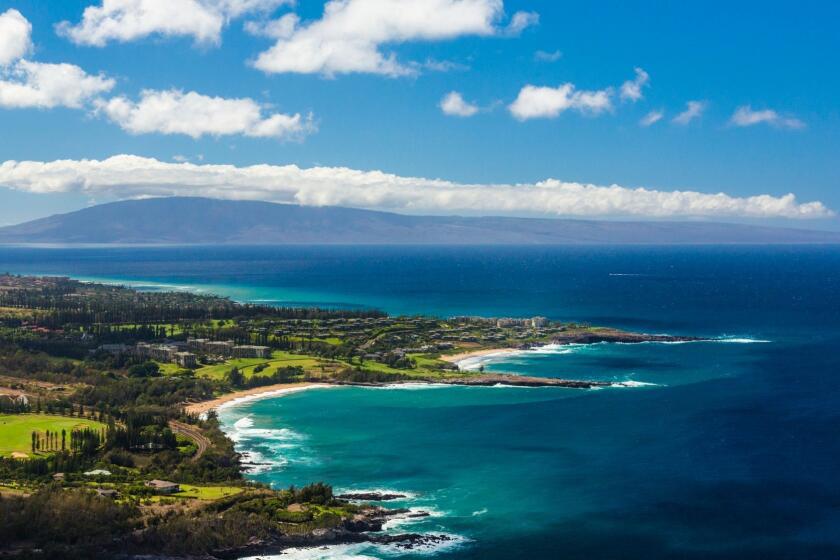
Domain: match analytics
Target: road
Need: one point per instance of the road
(193, 433)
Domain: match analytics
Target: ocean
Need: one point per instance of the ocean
(722, 449)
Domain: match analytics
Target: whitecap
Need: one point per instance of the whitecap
(409, 519)
(244, 422)
(736, 340)
(631, 383)
(455, 542)
(411, 386)
(333, 552)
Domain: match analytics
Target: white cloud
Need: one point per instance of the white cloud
(454, 104)
(693, 110)
(129, 20)
(746, 116)
(631, 90)
(35, 84)
(127, 176)
(652, 118)
(15, 36)
(28, 84)
(520, 22)
(545, 56)
(196, 115)
(546, 102)
(351, 34)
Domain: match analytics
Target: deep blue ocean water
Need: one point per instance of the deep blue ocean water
(727, 449)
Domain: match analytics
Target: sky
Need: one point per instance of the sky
(617, 109)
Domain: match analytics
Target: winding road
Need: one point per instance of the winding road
(193, 433)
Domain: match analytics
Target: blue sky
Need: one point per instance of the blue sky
(351, 116)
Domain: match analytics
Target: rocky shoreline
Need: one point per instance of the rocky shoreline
(365, 527)
(617, 336)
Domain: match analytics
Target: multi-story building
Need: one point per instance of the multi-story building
(219, 347)
(251, 351)
(186, 359)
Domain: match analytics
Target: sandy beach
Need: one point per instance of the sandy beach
(455, 358)
(250, 394)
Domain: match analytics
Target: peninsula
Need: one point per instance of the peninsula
(108, 424)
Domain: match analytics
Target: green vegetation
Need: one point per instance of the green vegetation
(16, 431)
(208, 493)
(106, 372)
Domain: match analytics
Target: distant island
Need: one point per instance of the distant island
(109, 439)
(183, 220)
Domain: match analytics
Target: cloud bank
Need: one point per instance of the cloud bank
(128, 176)
(350, 35)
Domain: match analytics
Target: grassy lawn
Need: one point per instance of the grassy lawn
(16, 430)
(206, 492)
(168, 368)
(16, 312)
(247, 365)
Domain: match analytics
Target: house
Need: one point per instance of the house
(163, 486)
(107, 493)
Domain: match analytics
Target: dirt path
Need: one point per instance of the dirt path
(192, 433)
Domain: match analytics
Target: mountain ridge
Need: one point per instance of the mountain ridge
(195, 220)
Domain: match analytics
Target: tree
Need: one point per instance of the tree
(235, 377)
(63, 439)
(34, 440)
(146, 369)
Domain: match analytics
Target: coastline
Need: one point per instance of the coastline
(236, 397)
(461, 356)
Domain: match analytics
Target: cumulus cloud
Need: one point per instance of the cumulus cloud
(545, 56)
(631, 90)
(129, 20)
(652, 118)
(746, 116)
(693, 110)
(34, 84)
(128, 176)
(547, 102)
(454, 104)
(350, 35)
(28, 84)
(196, 115)
(15, 36)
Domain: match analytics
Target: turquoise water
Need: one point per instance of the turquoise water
(725, 449)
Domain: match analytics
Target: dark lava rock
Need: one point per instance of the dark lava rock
(370, 496)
